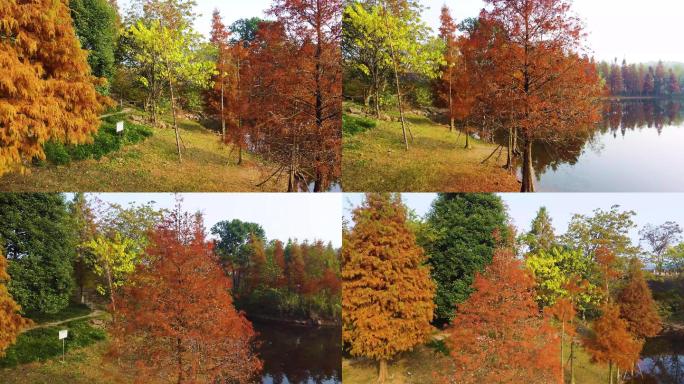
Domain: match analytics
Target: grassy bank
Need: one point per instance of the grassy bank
(374, 159)
(425, 363)
(152, 165)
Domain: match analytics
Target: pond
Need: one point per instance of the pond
(662, 361)
(638, 147)
(299, 355)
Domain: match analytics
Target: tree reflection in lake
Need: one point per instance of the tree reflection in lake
(662, 361)
(299, 355)
(637, 147)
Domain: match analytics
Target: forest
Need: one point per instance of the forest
(471, 105)
(222, 105)
(478, 300)
(152, 290)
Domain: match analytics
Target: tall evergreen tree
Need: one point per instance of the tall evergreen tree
(541, 236)
(387, 296)
(38, 240)
(462, 232)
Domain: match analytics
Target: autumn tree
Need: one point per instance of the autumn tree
(660, 239)
(498, 334)
(177, 320)
(47, 91)
(611, 342)
(220, 40)
(387, 296)
(11, 322)
(297, 125)
(553, 88)
(446, 84)
(604, 228)
(637, 306)
(83, 221)
(459, 241)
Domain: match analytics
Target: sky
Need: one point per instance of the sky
(283, 216)
(633, 29)
(653, 209)
(231, 10)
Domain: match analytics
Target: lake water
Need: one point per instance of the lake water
(299, 355)
(662, 361)
(638, 147)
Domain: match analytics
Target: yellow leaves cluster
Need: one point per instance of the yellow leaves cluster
(46, 89)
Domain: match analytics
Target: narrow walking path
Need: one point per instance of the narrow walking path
(93, 314)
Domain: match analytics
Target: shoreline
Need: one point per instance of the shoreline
(304, 323)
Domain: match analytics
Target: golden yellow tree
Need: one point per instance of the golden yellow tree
(47, 91)
(387, 296)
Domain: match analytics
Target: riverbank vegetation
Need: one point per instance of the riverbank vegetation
(89, 55)
(141, 287)
(580, 305)
(523, 74)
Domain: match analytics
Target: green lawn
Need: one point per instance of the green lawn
(374, 159)
(151, 166)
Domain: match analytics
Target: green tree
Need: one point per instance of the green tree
(461, 234)
(178, 57)
(114, 259)
(541, 236)
(406, 41)
(553, 270)
(233, 248)
(37, 238)
(85, 227)
(95, 22)
(244, 30)
(609, 229)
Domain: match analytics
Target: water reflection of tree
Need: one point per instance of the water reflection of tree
(300, 355)
(662, 361)
(619, 118)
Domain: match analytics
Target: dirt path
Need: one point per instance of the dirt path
(93, 314)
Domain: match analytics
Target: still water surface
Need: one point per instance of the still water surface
(662, 361)
(638, 147)
(299, 355)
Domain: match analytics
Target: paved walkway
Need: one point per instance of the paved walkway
(95, 313)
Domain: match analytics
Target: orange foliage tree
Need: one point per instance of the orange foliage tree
(637, 306)
(46, 89)
(446, 85)
(553, 89)
(296, 80)
(387, 295)
(498, 334)
(11, 322)
(612, 343)
(176, 318)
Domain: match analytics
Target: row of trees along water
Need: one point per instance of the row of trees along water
(64, 68)
(174, 294)
(637, 80)
(519, 70)
(509, 303)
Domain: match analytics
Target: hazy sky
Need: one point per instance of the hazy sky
(283, 216)
(231, 10)
(637, 30)
(650, 208)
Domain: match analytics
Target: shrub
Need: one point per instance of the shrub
(352, 125)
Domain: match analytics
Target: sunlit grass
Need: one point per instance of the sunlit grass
(376, 160)
(152, 166)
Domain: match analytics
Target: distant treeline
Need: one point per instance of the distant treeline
(659, 80)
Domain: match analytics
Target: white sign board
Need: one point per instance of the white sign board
(119, 127)
(63, 334)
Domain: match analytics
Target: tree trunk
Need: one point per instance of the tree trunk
(239, 155)
(175, 122)
(398, 85)
(467, 135)
(562, 353)
(110, 284)
(610, 372)
(509, 152)
(527, 172)
(382, 371)
(572, 361)
(179, 360)
(451, 100)
(223, 116)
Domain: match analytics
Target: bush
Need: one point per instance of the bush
(105, 141)
(42, 343)
(352, 125)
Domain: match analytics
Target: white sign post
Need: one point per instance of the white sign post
(120, 127)
(62, 336)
